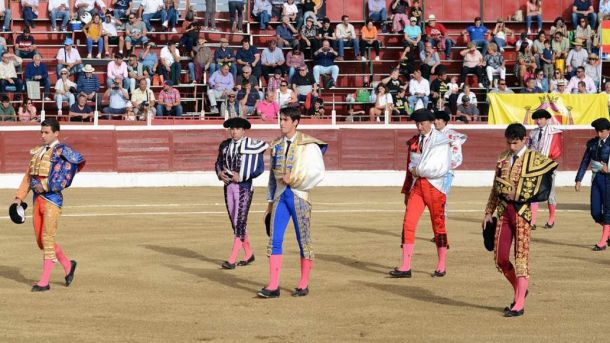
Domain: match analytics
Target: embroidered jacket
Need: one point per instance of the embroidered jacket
(53, 169)
(303, 161)
(432, 162)
(595, 154)
(548, 143)
(246, 158)
(529, 179)
(457, 140)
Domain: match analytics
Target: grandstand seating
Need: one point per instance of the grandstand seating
(454, 14)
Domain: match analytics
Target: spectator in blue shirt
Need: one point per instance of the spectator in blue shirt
(477, 34)
(325, 63)
(378, 13)
(583, 9)
(248, 55)
(530, 87)
(285, 34)
(37, 71)
(89, 85)
(224, 55)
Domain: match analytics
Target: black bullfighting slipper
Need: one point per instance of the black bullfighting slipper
(246, 262)
(598, 248)
(265, 293)
(533, 227)
(400, 274)
(549, 226)
(507, 308)
(37, 288)
(70, 277)
(511, 313)
(439, 274)
(227, 265)
(300, 292)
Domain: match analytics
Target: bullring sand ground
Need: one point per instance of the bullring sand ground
(149, 271)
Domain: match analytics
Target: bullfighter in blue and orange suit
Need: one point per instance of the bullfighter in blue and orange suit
(51, 170)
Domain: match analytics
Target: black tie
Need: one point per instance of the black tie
(421, 143)
(287, 147)
(515, 157)
(540, 136)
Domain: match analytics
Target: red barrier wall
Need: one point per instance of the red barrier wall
(195, 150)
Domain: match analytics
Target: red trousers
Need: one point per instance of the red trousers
(423, 195)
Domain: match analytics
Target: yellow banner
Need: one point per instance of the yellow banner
(568, 109)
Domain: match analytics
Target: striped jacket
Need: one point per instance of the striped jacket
(245, 157)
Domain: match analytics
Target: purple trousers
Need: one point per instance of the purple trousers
(238, 199)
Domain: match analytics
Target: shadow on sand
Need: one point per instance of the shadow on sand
(422, 294)
(13, 273)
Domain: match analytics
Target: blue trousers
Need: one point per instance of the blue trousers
(290, 206)
(600, 202)
(446, 188)
(29, 15)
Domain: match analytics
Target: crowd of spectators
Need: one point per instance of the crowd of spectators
(301, 61)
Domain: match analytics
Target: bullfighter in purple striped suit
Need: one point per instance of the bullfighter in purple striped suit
(240, 160)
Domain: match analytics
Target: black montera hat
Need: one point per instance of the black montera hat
(237, 122)
(601, 124)
(489, 234)
(17, 212)
(541, 113)
(422, 115)
(442, 115)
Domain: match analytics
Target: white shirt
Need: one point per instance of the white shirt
(109, 28)
(32, 3)
(518, 154)
(384, 100)
(7, 71)
(68, 57)
(2, 7)
(90, 4)
(60, 89)
(344, 32)
(167, 55)
(151, 6)
(471, 96)
(290, 9)
(422, 86)
(284, 98)
(53, 4)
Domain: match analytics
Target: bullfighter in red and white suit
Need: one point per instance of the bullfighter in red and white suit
(428, 161)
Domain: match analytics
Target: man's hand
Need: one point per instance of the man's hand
(286, 178)
(268, 210)
(604, 168)
(17, 201)
(235, 176)
(577, 186)
(224, 178)
(486, 219)
(38, 188)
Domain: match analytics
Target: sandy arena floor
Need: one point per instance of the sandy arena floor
(149, 271)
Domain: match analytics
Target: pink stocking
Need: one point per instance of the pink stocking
(552, 209)
(61, 257)
(306, 265)
(235, 251)
(442, 255)
(522, 283)
(47, 268)
(534, 208)
(247, 248)
(275, 265)
(605, 235)
(407, 251)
